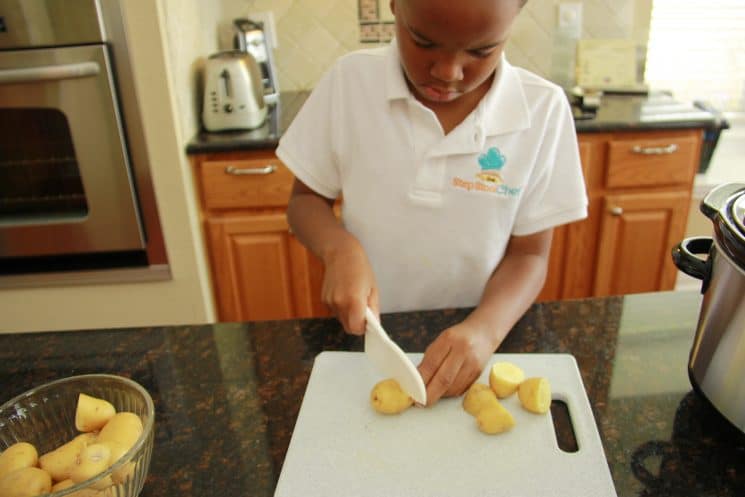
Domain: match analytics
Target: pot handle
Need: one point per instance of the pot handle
(684, 256)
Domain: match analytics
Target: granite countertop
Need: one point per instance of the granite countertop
(657, 110)
(616, 113)
(227, 395)
(279, 117)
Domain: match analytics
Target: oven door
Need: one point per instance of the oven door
(65, 181)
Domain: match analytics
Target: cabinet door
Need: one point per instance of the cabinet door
(637, 232)
(260, 270)
(566, 242)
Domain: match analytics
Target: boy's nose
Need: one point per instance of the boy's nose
(447, 69)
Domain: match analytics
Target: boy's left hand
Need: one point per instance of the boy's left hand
(455, 360)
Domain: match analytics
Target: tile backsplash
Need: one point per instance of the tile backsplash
(313, 33)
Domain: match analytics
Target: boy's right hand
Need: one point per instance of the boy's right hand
(349, 285)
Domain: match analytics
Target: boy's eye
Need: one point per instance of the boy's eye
(422, 43)
(482, 52)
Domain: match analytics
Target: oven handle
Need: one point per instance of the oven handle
(49, 73)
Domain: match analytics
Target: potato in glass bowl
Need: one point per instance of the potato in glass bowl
(110, 458)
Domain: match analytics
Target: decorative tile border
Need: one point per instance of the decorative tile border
(372, 29)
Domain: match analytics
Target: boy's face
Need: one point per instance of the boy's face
(448, 48)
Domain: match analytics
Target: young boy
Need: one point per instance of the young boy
(454, 167)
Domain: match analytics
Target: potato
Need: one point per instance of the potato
(504, 378)
(92, 413)
(25, 482)
(123, 428)
(59, 462)
(388, 398)
(93, 460)
(117, 451)
(477, 397)
(85, 492)
(494, 418)
(61, 485)
(535, 395)
(17, 456)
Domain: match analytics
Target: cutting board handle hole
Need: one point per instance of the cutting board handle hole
(563, 427)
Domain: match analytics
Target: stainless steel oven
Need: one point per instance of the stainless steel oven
(69, 194)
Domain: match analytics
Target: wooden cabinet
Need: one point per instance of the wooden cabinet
(637, 231)
(639, 187)
(259, 270)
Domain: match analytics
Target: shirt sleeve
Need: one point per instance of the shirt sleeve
(307, 147)
(556, 194)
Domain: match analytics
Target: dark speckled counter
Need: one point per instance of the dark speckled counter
(657, 110)
(279, 117)
(227, 395)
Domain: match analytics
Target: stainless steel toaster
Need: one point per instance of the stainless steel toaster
(233, 92)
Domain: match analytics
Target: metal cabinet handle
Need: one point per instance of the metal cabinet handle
(670, 149)
(251, 171)
(616, 211)
(49, 73)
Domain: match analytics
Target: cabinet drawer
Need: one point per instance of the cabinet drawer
(652, 162)
(227, 184)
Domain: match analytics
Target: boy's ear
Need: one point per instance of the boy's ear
(393, 7)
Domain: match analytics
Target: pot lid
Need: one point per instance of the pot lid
(738, 213)
(730, 226)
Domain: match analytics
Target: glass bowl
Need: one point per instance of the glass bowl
(45, 417)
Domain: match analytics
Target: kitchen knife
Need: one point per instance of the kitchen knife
(390, 360)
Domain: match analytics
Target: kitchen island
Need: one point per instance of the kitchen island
(227, 395)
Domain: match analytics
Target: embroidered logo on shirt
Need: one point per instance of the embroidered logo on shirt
(488, 179)
(491, 162)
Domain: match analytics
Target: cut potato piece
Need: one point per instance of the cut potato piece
(504, 378)
(127, 470)
(93, 460)
(124, 428)
(387, 397)
(61, 485)
(59, 462)
(535, 395)
(85, 492)
(25, 482)
(494, 418)
(92, 413)
(477, 397)
(17, 456)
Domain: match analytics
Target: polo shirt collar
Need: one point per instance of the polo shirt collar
(395, 81)
(504, 108)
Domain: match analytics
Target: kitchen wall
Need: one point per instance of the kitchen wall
(313, 33)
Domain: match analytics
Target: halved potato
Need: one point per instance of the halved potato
(92, 413)
(504, 378)
(495, 418)
(477, 397)
(535, 395)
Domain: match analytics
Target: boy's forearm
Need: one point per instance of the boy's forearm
(314, 223)
(509, 293)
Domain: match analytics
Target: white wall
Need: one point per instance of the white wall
(168, 118)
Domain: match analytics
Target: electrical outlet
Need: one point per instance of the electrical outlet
(270, 30)
(569, 19)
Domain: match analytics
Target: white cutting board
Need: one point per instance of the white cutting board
(341, 447)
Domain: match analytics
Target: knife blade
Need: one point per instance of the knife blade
(390, 360)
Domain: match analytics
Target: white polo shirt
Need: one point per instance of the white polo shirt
(434, 212)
